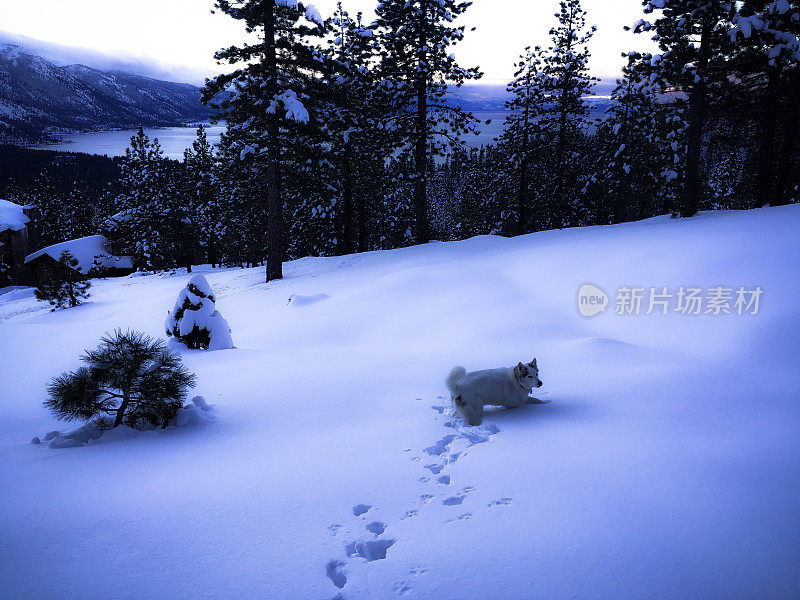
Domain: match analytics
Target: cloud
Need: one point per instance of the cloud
(61, 55)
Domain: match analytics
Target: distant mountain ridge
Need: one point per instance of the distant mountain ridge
(39, 99)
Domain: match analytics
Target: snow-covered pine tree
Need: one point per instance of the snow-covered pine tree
(357, 110)
(270, 111)
(474, 216)
(201, 192)
(416, 38)
(566, 64)
(766, 62)
(6, 269)
(521, 134)
(241, 188)
(141, 202)
(444, 196)
(49, 208)
(694, 42)
(63, 285)
(637, 147)
(195, 322)
(395, 213)
(129, 377)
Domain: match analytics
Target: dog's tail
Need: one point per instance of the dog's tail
(455, 374)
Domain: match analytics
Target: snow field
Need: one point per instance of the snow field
(665, 466)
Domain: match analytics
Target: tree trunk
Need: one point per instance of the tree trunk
(522, 197)
(121, 410)
(73, 301)
(765, 179)
(362, 220)
(274, 203)
(561, 208)
(622, 209)
(697, 109)
(347, 200)
(421, 142)
(561, 151)
(789, 146)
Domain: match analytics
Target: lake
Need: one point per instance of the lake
(174, 140)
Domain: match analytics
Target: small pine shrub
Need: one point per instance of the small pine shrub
(129, 378)
(194, 320)
(63, 285)
(5, 273)
(98, 269)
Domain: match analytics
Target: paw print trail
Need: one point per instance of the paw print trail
(375, 542)
(374, 547)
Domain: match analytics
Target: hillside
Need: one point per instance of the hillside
(39, 98)
(666, 465)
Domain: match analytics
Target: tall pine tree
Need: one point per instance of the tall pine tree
(568, 83)
(416, 39)
(693, 38)
(271, 102)
(521, 133)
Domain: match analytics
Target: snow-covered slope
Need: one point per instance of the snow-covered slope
(666, 465)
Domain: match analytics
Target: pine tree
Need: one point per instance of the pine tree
(567, 84)
(395, 214)
(203, 185)
(145, 190)
(195, 322)
(521, 133)
(416, 37)
(63, 285)
(473, 213)
(129, 377)
(270, 111)
(50, 209)
(6, 269)
(241, 184)
(201, 227)
(767, 63)
(693, 38)
(638, 148)
(356, 115)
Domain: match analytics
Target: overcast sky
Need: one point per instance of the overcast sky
(178, 37)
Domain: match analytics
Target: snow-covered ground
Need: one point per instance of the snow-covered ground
(667, 464)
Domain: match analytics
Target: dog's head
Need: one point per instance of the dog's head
(528, 375)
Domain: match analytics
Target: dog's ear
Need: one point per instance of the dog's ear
(521, 368)
(533, 363)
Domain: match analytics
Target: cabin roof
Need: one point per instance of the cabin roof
(12, 216)
(85, 250)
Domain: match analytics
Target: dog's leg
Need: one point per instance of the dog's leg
(532, 400)
(471, 414)
(475, 419)
(474, 414)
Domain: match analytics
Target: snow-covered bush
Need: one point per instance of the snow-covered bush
(129, 379)
(195, 322)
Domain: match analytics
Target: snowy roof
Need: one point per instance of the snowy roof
(11, 216)
(85, 249)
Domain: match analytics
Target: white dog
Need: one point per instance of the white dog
(510, 387)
